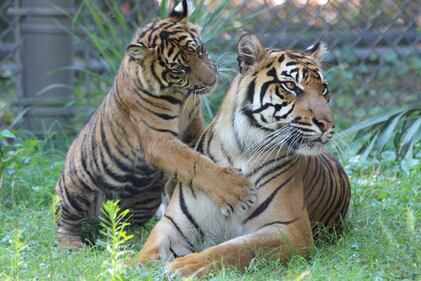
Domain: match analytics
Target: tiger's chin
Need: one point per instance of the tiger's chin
(310, 148)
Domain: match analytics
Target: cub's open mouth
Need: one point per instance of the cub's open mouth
(204, 90)
(200, 91)
(319, 140)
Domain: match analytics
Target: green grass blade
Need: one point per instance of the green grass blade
(163, 9)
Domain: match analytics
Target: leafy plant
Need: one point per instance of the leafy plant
(13, 153)
(16, 252)
(399, 130)
(54, 208)
(18, 184)
(114, 223)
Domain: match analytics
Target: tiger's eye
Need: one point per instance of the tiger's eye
(180, 69)
(290, 85)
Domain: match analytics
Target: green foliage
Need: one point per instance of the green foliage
(17, 246)
(397, 131)
(54, 207)
(164, 9)
(15, 155)
(114, 223)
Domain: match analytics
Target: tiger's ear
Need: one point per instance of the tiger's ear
(318, 51)
(181, 11)
(250, 51)
(138, 51)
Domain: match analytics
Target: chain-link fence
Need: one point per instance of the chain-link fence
(374, 61)
(7, 37)
(8, 63)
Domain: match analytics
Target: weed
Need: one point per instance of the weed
(114, 224)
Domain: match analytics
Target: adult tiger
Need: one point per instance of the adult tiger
(136, 136)
(272, 126)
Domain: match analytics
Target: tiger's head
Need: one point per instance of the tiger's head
(172, 55)
(283, 97)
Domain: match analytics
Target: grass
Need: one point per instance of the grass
(382, 240)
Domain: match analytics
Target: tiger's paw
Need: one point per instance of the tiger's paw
(233, 192)
(193, 265)
(149, 255)
(72, 243)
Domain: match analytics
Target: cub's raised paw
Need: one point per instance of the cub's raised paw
(193, 265)
(234, 193)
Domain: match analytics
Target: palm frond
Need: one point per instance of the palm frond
(398, 130)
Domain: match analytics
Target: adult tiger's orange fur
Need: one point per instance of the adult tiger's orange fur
(135, 139)
(272, 126)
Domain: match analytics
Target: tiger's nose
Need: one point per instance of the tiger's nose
(323, 124)
(210, 80)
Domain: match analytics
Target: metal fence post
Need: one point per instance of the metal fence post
(46, 54)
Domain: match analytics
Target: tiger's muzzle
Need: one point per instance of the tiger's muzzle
(204, 76)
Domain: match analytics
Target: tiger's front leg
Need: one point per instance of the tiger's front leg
(270, 242)
(190, 136)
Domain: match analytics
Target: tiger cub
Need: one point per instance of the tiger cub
(272, 127)
(141, 132)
